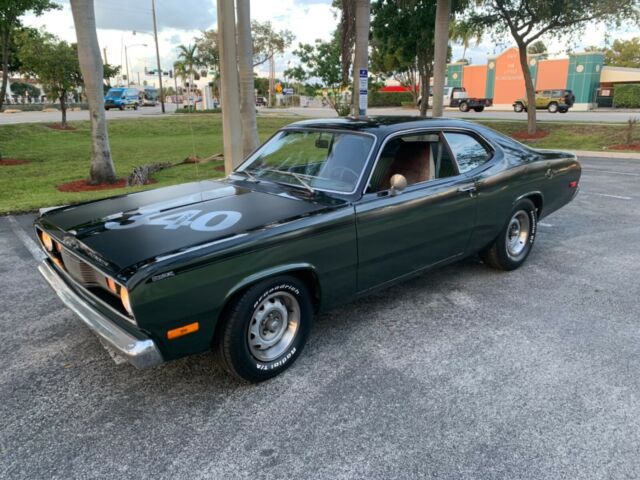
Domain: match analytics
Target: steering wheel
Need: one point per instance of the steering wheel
(339, 173)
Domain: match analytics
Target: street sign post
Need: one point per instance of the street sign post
(364, 92)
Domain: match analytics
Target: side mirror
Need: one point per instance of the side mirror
(398, 184)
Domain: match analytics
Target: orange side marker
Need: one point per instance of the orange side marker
(184, 330)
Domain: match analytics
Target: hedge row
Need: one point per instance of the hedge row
(389, 99)
(627, 96)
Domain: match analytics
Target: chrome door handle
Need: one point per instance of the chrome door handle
(469, 187)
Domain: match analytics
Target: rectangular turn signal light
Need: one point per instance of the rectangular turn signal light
(184, 330)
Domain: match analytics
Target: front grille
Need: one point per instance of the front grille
(80, 271)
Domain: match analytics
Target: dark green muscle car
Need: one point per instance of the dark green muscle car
(324, 211)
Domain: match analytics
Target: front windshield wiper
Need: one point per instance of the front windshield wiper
(295, 175)
(248, 174)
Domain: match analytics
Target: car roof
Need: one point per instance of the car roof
(381, 126)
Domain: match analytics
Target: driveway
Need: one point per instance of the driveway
(463, 373)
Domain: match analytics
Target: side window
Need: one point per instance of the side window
(418, 157)
(468, 152)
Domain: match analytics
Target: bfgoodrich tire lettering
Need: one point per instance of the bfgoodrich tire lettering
(515, 241)
(265, 329)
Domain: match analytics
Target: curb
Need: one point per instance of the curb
(606, 154)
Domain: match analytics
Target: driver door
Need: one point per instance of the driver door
(428, 223)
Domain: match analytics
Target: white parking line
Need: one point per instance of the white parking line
(587, 169)
(26, 240)
(542, 224)
(619, 197)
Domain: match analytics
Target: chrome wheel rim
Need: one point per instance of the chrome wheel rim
(517, 235)
(273, 326)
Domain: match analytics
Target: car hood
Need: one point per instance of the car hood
(125, 231)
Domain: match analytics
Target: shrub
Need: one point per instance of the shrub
(186, 109)
(627, 96)
(389, 99)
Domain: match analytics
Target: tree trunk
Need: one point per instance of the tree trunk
(530, 88)
(6, 38)
(441, 41)
(102, 169)
(250, 139)
(231, 123)
(63, 108)
(361, 53)
(424, 92)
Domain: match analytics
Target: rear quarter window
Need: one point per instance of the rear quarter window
(469, 153)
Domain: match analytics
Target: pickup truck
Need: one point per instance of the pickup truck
(458, 97)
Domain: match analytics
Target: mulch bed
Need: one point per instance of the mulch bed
(59, 126)
(524, 135)
(633, 146)
(12, 161)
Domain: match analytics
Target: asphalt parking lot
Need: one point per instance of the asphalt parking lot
(463, 373)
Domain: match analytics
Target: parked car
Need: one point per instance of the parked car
(553, 100)
(122, 98)
(261, 101)
(325, 211)
(458, 97)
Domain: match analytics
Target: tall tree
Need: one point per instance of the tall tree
(361, 55)
(187, 66)
(465, 33)
(441, 42)
(402, 38)
(231, 123)
(322, 61)
(10, 13)
(247, 86)
(528, 20)
(623, 53)
(102, 169)
(268, 42)
(54, 63)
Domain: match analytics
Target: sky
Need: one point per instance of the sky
(179, 21)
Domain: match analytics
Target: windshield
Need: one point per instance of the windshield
(312, 159)
(114, 93)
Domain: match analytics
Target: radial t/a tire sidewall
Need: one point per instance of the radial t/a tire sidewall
(506, 261)
(242, 362)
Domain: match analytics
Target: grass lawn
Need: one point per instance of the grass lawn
(58, 157)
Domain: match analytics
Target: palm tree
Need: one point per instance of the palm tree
(187, 65)
(247, 83)
(102, 170)
(465, 33)
(441, 42)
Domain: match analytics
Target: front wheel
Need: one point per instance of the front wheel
(265, 329)
(515, 241)
(121, 107)
(518, 107)
(464, 107)
(553, 107)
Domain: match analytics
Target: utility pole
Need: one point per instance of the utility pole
(126, 62)
(230, 95)
(272, 77)
(155, 36)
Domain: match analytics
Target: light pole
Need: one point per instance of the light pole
(155, 39)
(126, 58)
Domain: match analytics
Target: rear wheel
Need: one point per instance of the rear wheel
(515, 241)
(553, 107)
(265, 329)
(518, 107)
(478, 109)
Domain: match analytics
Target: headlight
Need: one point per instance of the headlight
(124, 297)
(47, 241)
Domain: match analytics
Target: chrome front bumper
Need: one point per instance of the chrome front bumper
(140, 353)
